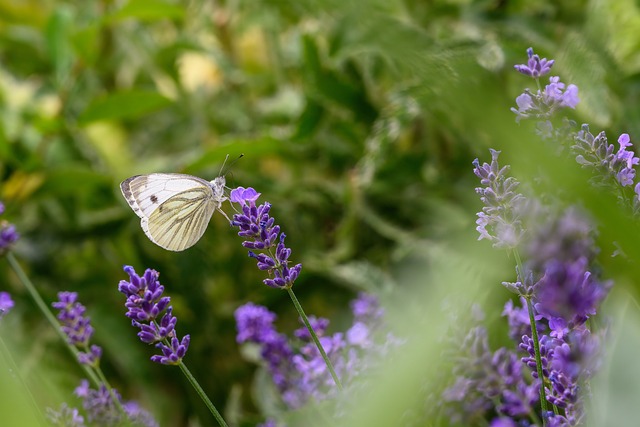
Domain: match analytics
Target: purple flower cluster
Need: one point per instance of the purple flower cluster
(6, 304)
(543, 103)
(77, 327)
(102, 410)
(263, 235)
(66, 416)
(8, 233)
(535, 67)
(570, 358)
(145, 304)
(488, 383)
(500, 219)
(611, 166)
(297, 367)
(558, 277)
(566, 294)
(98, 404)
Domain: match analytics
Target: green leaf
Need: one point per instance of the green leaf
(73, 180)
(85, 42)
(149, 10)
(309, 120)
(332, 87)
(124, 105)
(58, 42)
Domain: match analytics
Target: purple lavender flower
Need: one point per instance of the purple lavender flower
(503, 422)
(366, 308)
(98, 404)
(543, 103)
(500, 218)
(557, 94)
(560, 256)
(314, 379)
(563, 236)
(259, 228)
(486, 382)
(557, 277)
(298, 369)
(596, 153)
(173, 354)
(145, 305)
(518, 319)
(77, 327)
(6, 304)
(139, 416)
(568, 364)
(535, 67)
(8, 233)
(318, 324)
(66, 416)
(569, 291)
(102, 410)
(254, 324)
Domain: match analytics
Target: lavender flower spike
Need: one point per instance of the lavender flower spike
(8, 233)
(145, 305)
(262, 234)
(499, 220)
(596, 152)
(542, 104)
(102, 410)
(6, 303)
(66, 416)
(535, 67)
(77, 327)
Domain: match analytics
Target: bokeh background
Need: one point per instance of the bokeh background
(358, 121)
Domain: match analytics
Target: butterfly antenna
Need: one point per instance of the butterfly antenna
(223, 163)
(230, 164)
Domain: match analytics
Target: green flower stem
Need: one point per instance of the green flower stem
(296, 303)
(534, 336)
(194, 382)
(536, 348)
(47, 313)
(202, 394)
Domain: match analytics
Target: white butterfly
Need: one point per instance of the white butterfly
(174, 208)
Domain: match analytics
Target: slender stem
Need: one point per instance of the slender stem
(47, 313)
(536, 348)
(202, 394)
(534, 336)
(296, 303)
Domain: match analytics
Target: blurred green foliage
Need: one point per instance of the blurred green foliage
(358, 121)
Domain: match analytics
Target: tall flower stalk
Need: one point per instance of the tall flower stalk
(150, 312)
(559, 291)
(556, 280)
(502, 215)
(266, 245)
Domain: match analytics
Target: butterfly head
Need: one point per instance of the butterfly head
(218, 185)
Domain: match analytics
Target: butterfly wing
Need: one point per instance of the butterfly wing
(175, 209)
